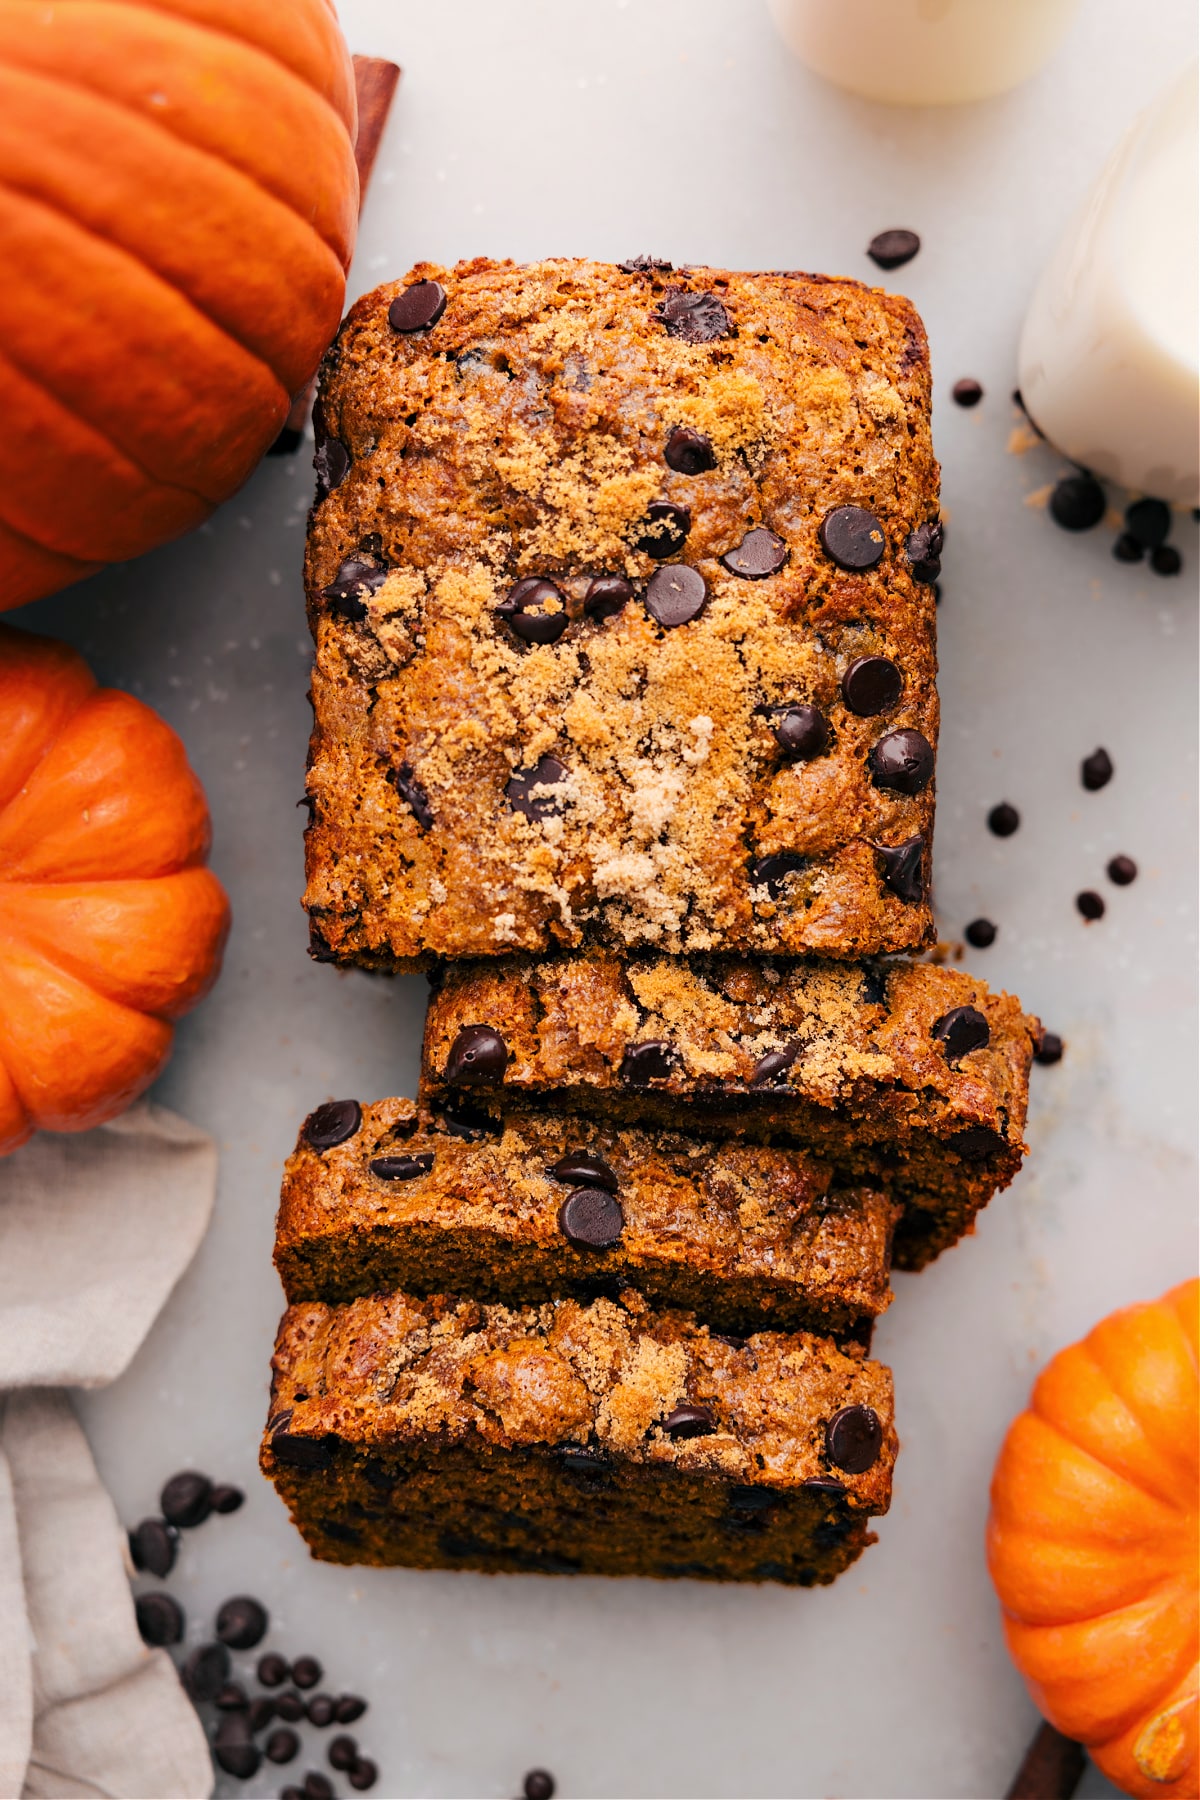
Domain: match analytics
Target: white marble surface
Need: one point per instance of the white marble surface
(682, 127)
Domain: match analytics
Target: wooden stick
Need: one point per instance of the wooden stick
(375, 84)
(1052, 1768)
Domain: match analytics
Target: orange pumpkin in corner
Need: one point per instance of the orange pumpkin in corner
(1092, 1544)
(110, 926)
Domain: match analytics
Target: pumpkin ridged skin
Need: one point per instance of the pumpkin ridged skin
(110, 926)
(1092, 1543)
(178, 201)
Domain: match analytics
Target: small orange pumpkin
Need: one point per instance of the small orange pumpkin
(1092, 1543)
(178, 206)
(109, 925)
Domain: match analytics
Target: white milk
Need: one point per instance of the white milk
(1108, 357)
(924, 52)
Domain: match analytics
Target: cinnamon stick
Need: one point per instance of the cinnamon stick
(1052, 1768)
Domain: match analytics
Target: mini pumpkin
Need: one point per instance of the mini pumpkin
(110, 927)
(178, 205)
(1092, 1543)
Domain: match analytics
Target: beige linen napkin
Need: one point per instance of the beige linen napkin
(95, 1230)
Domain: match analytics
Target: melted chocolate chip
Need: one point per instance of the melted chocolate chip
(854, 1438)
(665, 531)
(644, 1063)
(412, 793)
(980, 934)
(759, 554)
(676, 595)
(975, 1144)
(903, 870)
(960, 1031)
(331, 1124)
(607, 595)
(644, 265)
(1096, 771)
(892, 249)
(1148, 523)
(402, 1168)
(689, 452)
(773, 1064)
(872, 685)
(1003, 820)
(470, 1123)
(689, 1422)
(520, 611)
(1049, 1049)
(967, 391)
(923, 548)
(478, 1057)
(824, 1484)
(521, 791)
(585, 1166)
(418, 307)
(902, 761)
(591, 1218)
(853, 537)
(356, 578)
(1122, 870)
(752, 1499)
(771, 871)
(1090, 905)
(302, 1453)
(696, 318)
(801, 732)
(331, 460)
(1077, 502)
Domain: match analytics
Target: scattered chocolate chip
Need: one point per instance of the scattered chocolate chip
(902, 761)
(521, 793)
(696, 318)
(1049, 1048)
(242, 1622)
(853, 537)
(923, 549)
(331, 460)
(644, 265)
(644, 1063)
(1096, 771)
(520, 611)
(872, 685)
(538, 1785)
(585, 1166)
(591, 1219)
(1003, 820)
(317, 1786)
(1166, 560)
(358, 577)
(342, 1752)
(666, 529)
(903, 869)
(262, 1711)
(283, 1746)
(412, 794)
(1148, 523)
(1090, 904)
(1077, 502)
(1126, 549)
(675, 595)
(689, 1422)
(418, 307)
(159, 1619)
(289, 1706)
(363, 1775)
(272, 1670)
(234, 1749)
(980, 934)
(478, 1057)
(892, 249)
(205, 1672)
(306, 1672)
(152, 1547)
(960, 1031)
(689, 452)
(402, 1168)
(771, 871)
(186, 1501)
(1121, 869)
(321, 1710)
(801, 732)
(759, 554)
(773, 1064)
(226, 1498)
(332, 1124)
(607, 595)
(348, 1708)
(297, 1452)
(854, 1438)
(967, 391)
(824, 1484)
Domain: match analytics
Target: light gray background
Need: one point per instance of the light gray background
(682, 127)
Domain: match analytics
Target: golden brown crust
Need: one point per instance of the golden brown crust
(524, 435)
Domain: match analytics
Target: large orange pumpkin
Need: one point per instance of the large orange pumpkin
(110, 927)
(1092, 1543)
(178, 204)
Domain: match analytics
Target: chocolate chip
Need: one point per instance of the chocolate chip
(903, 869)
(242, 1622)
(272, 1670)
(1126, 549)
(752, 1499)
(960, 1031)
(538, 1785)
(302, 1452)
(980, 934)
(923, 549)
(478, 1057)
(522, 783)
(418, 307)
(824, 1484)
(854, 1438)
(872, 685)
(519, 610)
(229, 1697)
(152, 1547)
(607, 595)
(205, 1671)
(402, 1168)
(967, 392)
(1077, 502)
(666, 529)
(1148, 523)
(676, 595)
(1166, 560)
(468, 1122)
(591, 1218)
(773, 1064)
(234, 1749)
(689, 452)
(186, 1500)
(902, 761)
(892, 249)
(226, 1498)
(363, 1775)
(283, 1746)
(331, 460)
(771, 871)
(343, 1752)
(853, 537)
(1003, 820)
(332, 1124)
(644, 265)
(306, 1672)
(412, 794)
(644, 1063)
(279, 1421)
(1049, 1048)
(357, 578)
(874, 984)
(321, 1710)
(289, 1706)
(1121, 869)
(696, 318)
(159, 1619)
(262, 1711)
(317, 1786)
(1090, 904)
(1096, 771)
(801, 732)
(689, 1422)
(759, 554)
(585, 1166)
(349, 1707)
